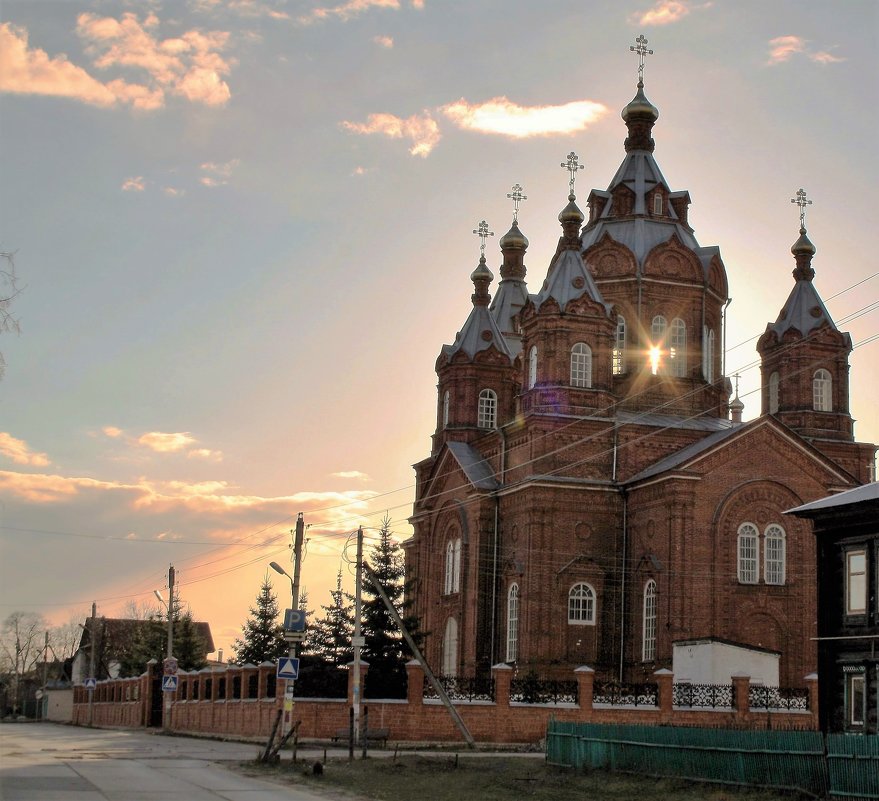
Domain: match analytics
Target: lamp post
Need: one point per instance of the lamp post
(293, 588)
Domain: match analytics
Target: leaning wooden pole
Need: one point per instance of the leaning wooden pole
(416, 651)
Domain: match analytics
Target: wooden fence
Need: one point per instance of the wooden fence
(841, 767)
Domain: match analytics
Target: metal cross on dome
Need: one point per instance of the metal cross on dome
(802, 202)
(483, 233)
(571, 165)
(517, 197)
(640, 47)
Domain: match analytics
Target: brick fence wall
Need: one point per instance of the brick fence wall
(234, 701)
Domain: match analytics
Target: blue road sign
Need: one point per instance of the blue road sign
(294, 620)
(169, 683)
(90, 684)
(288, 668)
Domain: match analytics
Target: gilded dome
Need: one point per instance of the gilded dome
(514, 239)
(640, 106)
(803, 245)
(571, 212)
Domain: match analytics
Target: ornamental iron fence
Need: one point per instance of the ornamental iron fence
(462, 688)
(618, 693)
(532, 690)
(704, 696)
(786, 698)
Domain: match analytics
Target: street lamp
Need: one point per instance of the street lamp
(278, 569)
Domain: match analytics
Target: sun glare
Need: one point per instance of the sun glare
(654, 360)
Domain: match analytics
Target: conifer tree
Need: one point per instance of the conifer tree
(329, 638)
(385, 649)
(263, 635)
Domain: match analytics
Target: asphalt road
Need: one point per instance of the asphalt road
(50, 762)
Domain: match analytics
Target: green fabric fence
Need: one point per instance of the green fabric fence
(778, 759)
(853, 765)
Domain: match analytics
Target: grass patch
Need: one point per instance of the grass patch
(449, 777)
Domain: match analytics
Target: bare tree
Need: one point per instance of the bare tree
(9, 290)
(21, 646)
(64, 639)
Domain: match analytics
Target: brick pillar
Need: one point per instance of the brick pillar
(741, 685)
(502, 674)
(415, 683)
(364, 667)
(665, 680)
(264, 669)
(585, 676)
(812, 686)
(230, 683)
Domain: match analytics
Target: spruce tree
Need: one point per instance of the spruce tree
(189, 646)
(263, 635)
(329, 638)
(385, 649)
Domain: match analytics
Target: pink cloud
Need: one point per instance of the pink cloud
(188, 66)
(206, 454)
(665, 12)
(217, 174)
(19, 452)
(421, 130)
(783, 48)
(135, 184)
(162, 442)
(384, 41)
(501, 116)
(355, 474)
(347, 10)
(112, 431)
(24, 70)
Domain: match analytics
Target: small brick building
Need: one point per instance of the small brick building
(591, 495)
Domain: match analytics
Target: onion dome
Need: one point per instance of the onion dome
(571, 213)
(803, 246)
(513, 239)
(640, 106)
(736, 407)
(481, 278)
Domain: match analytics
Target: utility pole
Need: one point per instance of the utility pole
(358, 638)
(93, 638)
(170, 611)
(293, 652)
(45, 672)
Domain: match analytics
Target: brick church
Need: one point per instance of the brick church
(592, 495)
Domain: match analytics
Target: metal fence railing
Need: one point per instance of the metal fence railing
(704, 696)
(462, 688)
(531, 690)
(618, 693)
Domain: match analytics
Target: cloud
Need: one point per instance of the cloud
(361, 170)
(162, 442)
(384, 41)
(218, 174)
(501, 116)
(188, 66)
(30, 71)
(112, 431)
(173, 191)
(135, 184)
(205, 453)
(347, 10)
(665, 12)
(783, 48)
(351, 474)
(421, 130)
(19, 451)
(244, 8)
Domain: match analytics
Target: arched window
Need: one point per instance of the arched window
(748, 548)
(657, 329)
(532, 366)
(513, 623)
(619, 351)
(581, 365)
(445, 408)
(773, 393)
(774, 555)
(581, 605)
(657, 203)
(822, 387)
(450, 648)
(708, 354)
(678, 347)
(487, 413)
(648, 633)
(453, 567)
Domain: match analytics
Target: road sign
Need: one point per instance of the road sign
(361, 641)
(39, 695)
(288, 668)
(294, 620)
(169, 684)
(294, 636)
(91, 683)
(170, 666)
(289, 690)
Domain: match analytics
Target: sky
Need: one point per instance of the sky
(242, 233)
